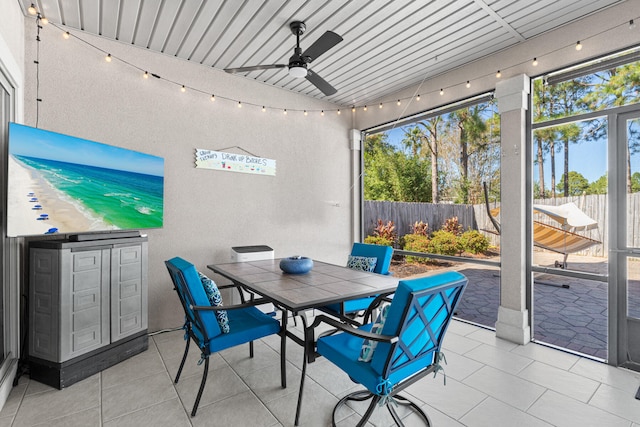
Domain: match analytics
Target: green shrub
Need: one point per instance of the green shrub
(416, 243)
(474, 242)
(377, 240)
(445, 243)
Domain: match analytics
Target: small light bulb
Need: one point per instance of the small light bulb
(441, 92)
(418, 98)
(108, 57)
(44, 20)
(305, 113)
(32, 9)
(183, 89)
(322, 112)
(468, 84)
(285, 111)
(213, 98)
(353, 109)
(263, 109)
(239, 104)
(498, 74)
(398, 102)
(535, 62)
(380, 106)
(365, 108)
(66, 35)
(632, 25)
(578, 46)
(338, 111)
(145, 75)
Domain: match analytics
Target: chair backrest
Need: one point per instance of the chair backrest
(184, 275)
(419, 314)
(382, 252)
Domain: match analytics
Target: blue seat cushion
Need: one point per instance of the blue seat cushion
(382, 253)
(245, 325)
(414, 335)
(199, 297)
(343, 351)
(352, 306)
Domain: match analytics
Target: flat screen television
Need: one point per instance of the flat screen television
(62, 184)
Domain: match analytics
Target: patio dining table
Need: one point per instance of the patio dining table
(294, 293)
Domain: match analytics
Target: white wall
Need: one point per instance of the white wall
(206, 212)
(600, 33)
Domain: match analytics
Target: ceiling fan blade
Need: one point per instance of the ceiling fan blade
(254, 68)
(326, 41)
(320, 83)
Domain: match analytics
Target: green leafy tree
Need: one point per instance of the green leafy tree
(599, 186)
(576, 184)
(635, 182)
(615, 87)
(391, 174)
(379, 168)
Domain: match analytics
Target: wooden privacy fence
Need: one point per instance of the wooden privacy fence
(404, 215)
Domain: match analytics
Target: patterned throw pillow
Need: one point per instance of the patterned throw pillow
(362, 263)
(215, 299)
(368, 346)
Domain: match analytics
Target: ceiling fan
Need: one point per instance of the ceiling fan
(299, 60)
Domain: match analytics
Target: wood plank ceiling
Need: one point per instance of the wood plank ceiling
(387, 46)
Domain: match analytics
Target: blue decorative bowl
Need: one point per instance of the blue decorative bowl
(296, 264)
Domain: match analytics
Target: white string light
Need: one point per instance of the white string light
(66, 34)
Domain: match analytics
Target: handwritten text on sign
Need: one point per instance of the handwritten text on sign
(231, 162)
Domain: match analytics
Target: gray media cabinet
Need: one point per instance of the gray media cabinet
(87, 306)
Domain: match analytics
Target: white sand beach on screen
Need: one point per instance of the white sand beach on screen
(27, 188)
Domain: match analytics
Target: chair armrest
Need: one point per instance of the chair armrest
(349, 329)
(367, 317)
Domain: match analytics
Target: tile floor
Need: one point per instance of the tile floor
(489, 382)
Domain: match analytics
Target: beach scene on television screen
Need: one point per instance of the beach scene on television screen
(62, 184)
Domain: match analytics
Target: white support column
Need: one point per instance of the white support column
(513, 317)
(355, 141)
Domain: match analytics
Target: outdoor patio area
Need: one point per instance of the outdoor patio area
(489, 382)
(573, 317)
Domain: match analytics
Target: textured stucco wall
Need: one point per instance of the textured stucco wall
(305, 209)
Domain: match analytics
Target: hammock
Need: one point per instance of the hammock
(561, 239)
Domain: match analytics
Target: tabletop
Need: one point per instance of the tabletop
(324, 284)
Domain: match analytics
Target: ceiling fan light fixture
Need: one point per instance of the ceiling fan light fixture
(298, 71)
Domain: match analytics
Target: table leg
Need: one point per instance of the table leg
(283, 348)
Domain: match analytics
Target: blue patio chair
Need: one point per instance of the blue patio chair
(407, 349)
(246, 322)
(382, 255)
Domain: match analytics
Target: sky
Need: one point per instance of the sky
(587, 158)
(43, 144)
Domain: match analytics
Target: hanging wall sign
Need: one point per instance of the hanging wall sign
(232, 162)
